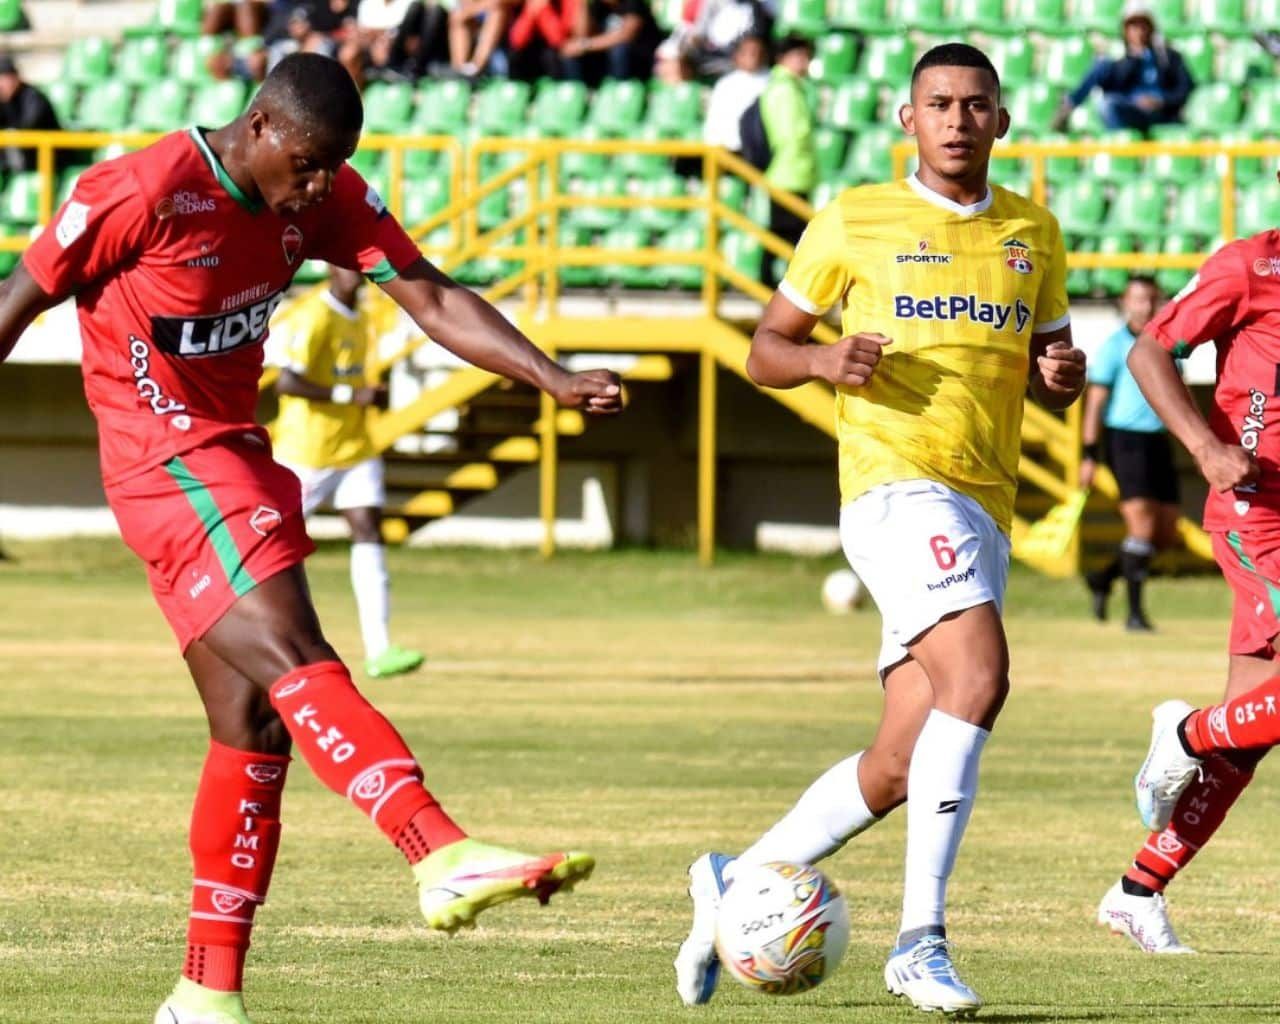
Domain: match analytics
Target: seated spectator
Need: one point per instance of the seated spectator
(476, 31)
(736, 91)
(672, 64)
(23, 107)
(396, 39)
(231, 61)
(246, 18)
(537, 35)
(718, 26)
(617, 38)
(1149, 85)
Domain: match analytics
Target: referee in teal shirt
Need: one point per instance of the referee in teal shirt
(1137, 451)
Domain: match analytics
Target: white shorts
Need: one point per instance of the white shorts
(924, 552)
(358, 486)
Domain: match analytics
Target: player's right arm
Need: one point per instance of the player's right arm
(1209, 308)
(21, 301)
(306, 336)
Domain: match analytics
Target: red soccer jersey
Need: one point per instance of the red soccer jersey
(175, 274)
(1235, 302)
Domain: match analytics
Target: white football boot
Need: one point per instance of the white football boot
(697, 965)
(1168, 769)
(1144, 919)
(922, 972)
(194, 1004)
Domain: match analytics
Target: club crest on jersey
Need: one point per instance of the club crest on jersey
(923, 255)
(1018, 256)
(1267, 266)
(291, 241)
(264, 520)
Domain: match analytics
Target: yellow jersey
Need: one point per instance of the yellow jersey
(960, 290)
(328, 344)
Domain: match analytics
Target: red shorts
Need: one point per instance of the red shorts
(1251, 564)
(210, 525)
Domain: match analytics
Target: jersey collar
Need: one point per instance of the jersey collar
(341, 308)
(220, 172)
(930, 196)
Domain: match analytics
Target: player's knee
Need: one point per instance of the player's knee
(884, 778)
(975, 690)
(260, 732)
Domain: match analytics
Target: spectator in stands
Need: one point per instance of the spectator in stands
(396, 40)
(537, 35)
(228, 62)
(476, 31)
(788, 118)
(23, 107)
(717, 29)
(323, 17)
(672, 64)
(1138, 453)
(1149, 85)
(246, 18)
(617, 38)
(736, 91)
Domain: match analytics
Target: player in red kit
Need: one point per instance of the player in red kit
(1201, 760)
(177, 255)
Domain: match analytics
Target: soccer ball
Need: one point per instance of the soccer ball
(842, 592)
(782, 927)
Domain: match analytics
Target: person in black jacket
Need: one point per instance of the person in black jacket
(23, 107)
(1149, 85)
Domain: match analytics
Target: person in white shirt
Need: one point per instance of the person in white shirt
(735, 92)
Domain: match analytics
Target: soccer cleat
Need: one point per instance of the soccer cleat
(923, 973)
(1099, 592)
(1168, 768)
(194, 1004)
(1144, 919)
(1138, 623)
(458, 881)
(394, 661)
(697, 965)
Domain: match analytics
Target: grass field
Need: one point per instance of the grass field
(633, 705)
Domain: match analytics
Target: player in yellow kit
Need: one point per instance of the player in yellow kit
(954, 306)
(327, 388)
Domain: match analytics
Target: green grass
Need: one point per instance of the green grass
(638, 707)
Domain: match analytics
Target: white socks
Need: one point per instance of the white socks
(372, 586)
(941, 785)
(829, 814)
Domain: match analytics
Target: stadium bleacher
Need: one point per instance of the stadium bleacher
(156, 78)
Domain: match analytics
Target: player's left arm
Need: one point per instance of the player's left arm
(21, 301)
(1057, 374)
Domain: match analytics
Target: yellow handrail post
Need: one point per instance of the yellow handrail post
(44, 164)
(711, 244)
(533, 249)
(552, 262)
(707, 367)
(1071, 471)
(395, 182)
(548, 470)
(1229, 198)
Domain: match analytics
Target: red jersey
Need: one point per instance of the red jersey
(176, 274)
(1235, 302)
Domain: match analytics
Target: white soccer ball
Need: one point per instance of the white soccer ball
(782, 928)
(842, 592)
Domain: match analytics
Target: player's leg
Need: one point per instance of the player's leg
(1135, 905)
(234, 836)
(359, 496)
(1136, 552)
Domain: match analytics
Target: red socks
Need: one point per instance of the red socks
(355, 751)
(235, 832)
(1199, 812)
(1246, 722)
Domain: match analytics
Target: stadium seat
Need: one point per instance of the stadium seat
(1013, 57)
(836, 57)
(423, 198)
(190, 59)
(1109, 167)
(1171, 279)
(628, 237)
(1138, 206)
(1266, 14)
(830, 146)
(660, 218)
(869, 156)
(143, 61)
(676, 110)
(617, 107)
(597, 218)
(1006, 169)
(1180, 170)
(559, 107)
(12, 19)
(888, 59)
(180, 16)
(1248, 169)
(853, 104)
(579, 164)
(442, 107)
(981, 16)
(1112, 280)
(572, 236)
(63, 95)
(216, 103)
(1170, 15)
(1242, 60)
(162, 106)
(1212, 107)
(805, 17)
(1080, 206)
(743, 253)
(105, 106)
(922, 15)
(684, 238)
(86, 60)
(1258, 209)
(1068, 60)
(501, 107)
(733, 192)
(22, 198)
(1047, 16)
(419, 161)
(1098, 15)
(1079, 280)
(388, 107)
(1198, 209)
(1199, 53)
(644, 166)
(67, 183)
(1263, 114)
(8, 260)
(1059, 170)
(668, 13)
(1226, 17)
(1032, 107)
(860, 15)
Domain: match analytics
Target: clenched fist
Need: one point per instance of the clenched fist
(598, 392)
(1226, 466)
(851, 360)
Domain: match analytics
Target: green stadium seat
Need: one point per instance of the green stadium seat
(618, 107)
(888, 59)
(869, 156)
(1198, 209)
(216, 103)
(63, 95)
(1080, 206)
(572, 236)
(501, 107)
(105, 106)
(86, 60)
(1099, 15)
(597, 218)
(830, 145)
(1263, 114)
(1170, 15)
(388, 107)
(442, 107)
(190, 59)
(1112, 280)
(659, 218)
(419, 162)
(1005, 169)
(733, 192)
(853, 104)
(644, 166)
(805, 17)
(559, 107)
(67, 183)
(22, 198)
(422, 199)
(1032, 106)
(1059, 170)
(1138, 206)
(143, 61)
(1199, 52)
(1212, 107)
(628, 237)
(1266, 14)
(1013, 57)
(579, 164)
(1170, 279)
(860, 15)
(1068, 60)
(1108, 167)
(180, 16)
(685, 238)
(836, 58)
(1226, 17)
(12, 19)
(922, 15)
(1242, 61)
(9, 260)
(980, 16)
(743, 253)
(676, 110)
(1079, 280)
(1047, 16)
(1248, 169)
(162, 106)
(1258, 209)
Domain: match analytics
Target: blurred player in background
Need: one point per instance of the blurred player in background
(177, 255)
(327, 388)
(1200, 761)
(1138, 454)
(954, 305)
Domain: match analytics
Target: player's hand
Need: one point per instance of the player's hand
(851, 360)
(598, 392)
(1226, 466)
(1088, 468)
(1062, 369)
(375, 395)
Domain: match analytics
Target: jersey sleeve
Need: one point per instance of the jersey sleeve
(818, 275)
(100, 227)
(362, 234)
(1052, 308)
(1104, 364)
(1212, 304)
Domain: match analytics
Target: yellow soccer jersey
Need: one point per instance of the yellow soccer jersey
(328, 344)
(960, 290)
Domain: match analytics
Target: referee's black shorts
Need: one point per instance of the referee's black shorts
(1142, 464)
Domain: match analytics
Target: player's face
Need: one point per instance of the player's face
(956, 117)
(295, 170)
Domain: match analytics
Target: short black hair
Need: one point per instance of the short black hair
(792, 41)
(955, 55)
(1146, 279)
(314, 94)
